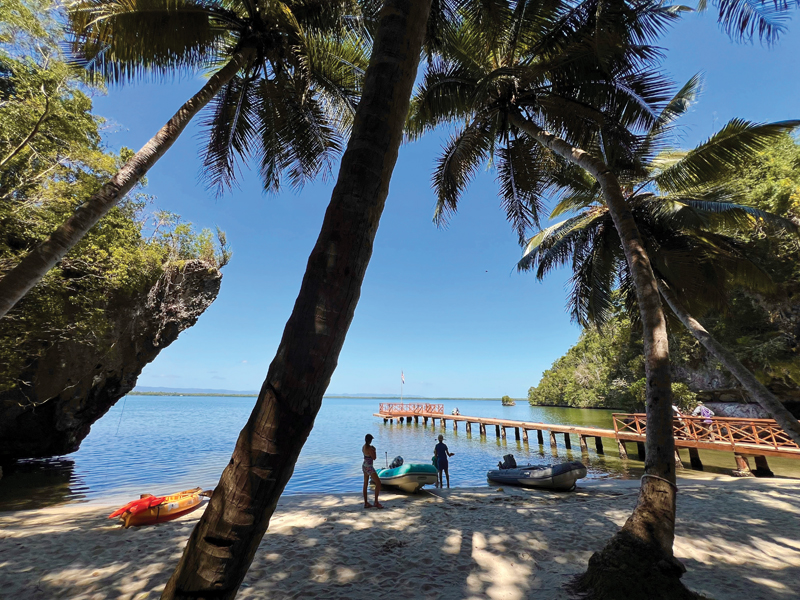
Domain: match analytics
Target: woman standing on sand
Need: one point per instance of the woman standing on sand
(369, 452)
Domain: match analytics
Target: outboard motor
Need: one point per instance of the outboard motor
(508, 462)
(397, 462)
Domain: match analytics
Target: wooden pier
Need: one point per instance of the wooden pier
(758, 438)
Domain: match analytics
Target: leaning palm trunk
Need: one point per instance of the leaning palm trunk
(639, 558)
(38, 262)
(224, 542)
(757, 391)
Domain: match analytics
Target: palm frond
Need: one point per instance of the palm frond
(745, 19)
(726, 150)
(231, 130)
(125, 40)
(523, 168)
(461, 157)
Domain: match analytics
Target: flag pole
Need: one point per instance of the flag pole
(402, 381)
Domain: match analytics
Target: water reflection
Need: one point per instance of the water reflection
(40, 483)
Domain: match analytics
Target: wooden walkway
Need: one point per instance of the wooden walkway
(744, 437)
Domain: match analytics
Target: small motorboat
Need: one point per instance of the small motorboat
(408, 477)
(149, 509)
(560, 477)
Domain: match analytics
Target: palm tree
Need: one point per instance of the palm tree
(227, 536)
(285, 82)
(745, 19)
(543, 94)
(684, 210)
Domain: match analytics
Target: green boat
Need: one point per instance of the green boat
(410, 477)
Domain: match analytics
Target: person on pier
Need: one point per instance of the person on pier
(369, 453)
(441, 452)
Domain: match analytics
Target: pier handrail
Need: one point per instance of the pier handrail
(759, 432)
(412, 408)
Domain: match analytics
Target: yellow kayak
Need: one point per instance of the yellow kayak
(149, 509)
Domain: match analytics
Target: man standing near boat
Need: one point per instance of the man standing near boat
(441, 452)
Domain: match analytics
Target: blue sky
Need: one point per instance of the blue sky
(444, 305)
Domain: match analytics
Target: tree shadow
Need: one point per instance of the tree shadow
(739, 539)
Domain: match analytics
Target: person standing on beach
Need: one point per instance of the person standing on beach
(369, 453)
(441, 452)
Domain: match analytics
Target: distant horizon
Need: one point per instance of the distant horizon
(149, 390)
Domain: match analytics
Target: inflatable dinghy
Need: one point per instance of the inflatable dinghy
(560, 477)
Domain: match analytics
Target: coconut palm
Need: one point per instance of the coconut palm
(687, 216)
(548, 92)
(284, 83)
(223, 543)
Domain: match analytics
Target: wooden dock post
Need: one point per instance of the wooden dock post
(503, 432)
(567, 443)
(497, 431)
(425, 421)
(640, 448)
(384, 420)
(742, 466)
(416, 419)
(540, 437)
(762, 468)
(482, 428)
(455, 425)
(553, 442)
(623, 451)
(584, 446)
(678, 462)
(694, 459)
(598, 444)
(444, 423)
(524, 435)
(469, 427)
(516, 433)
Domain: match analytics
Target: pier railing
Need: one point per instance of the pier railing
(717, 430)
(418, 408)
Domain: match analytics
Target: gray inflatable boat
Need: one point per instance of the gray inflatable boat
(552, 477)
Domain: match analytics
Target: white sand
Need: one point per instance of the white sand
(739, 538)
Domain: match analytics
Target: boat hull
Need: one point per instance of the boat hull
(173, 506)
(561, 477)
(410, 477)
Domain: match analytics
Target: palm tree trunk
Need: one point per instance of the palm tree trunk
(31, 269)
(646, 538)
(225, 540)
(757, 391)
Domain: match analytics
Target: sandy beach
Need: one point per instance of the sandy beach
(739, 539)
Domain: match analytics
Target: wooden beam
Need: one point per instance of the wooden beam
(540, 437)
(694, 459)
(623, 451)
(516, 433)
(567, 443)
(584, 445)
(525, 435)
(742, 466)
(640, 448)
(598, 444)
(762, 467)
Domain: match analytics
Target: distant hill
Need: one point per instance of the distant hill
(167, 391)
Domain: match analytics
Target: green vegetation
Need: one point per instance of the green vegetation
(507, 401)
(51, 161)
(605, 368)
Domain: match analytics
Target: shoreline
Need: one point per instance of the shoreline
(739, 538)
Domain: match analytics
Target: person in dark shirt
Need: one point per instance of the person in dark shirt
(441, 452)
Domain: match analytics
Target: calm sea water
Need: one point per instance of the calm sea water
(162, 444)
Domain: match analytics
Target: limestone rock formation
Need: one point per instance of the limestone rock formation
(69, 386)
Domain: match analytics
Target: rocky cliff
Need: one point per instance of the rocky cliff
(64, 389)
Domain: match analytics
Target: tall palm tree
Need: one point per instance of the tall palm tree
(223, 543)
(285, 79)
(548, 90)
(744, 20)
(685, 211)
